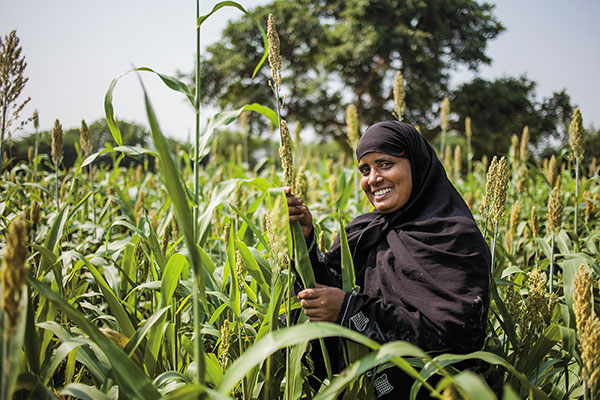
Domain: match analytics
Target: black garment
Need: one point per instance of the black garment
(424, 270)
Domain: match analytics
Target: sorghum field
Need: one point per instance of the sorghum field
(172, 278)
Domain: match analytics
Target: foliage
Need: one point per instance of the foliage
(333, 48)
(502, 107)
(12, 83)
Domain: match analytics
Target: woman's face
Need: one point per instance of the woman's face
(386, 180)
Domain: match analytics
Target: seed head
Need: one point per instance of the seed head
(524, 144)
(14, 271)
(535, 303)
(515, 217)
(533, 222)
(34, 213)
(174, 228)
(552, 171)
(444, 114)
(139, 204)
(399, 96)
(30, 153)
(333, 186)
(590, 204)
(278, 224)
(274, 51)
(513, 304)
(555, 210)
(286, 155)
(469, 199)
(238, 197)
(448, 159)
(576, 135)
(457, 160)
(36, 119)
(85, 140)
(514, 146)
(489, 187)
(352, 125)
(57, 143)
(468, 131)
(588, 326)
(227, 235)
(500, 190)
(301, 183)
(240, 269)
(593, 169)
(225, 344)
(322, 244)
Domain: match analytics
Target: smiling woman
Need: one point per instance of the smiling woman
(421, 261)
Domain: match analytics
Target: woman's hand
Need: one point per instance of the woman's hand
(299, 212)
(322, 303)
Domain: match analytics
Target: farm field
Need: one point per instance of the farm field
(172, 278)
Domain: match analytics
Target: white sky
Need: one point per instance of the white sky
(74, 48)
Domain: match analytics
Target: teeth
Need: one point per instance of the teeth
(382, 191)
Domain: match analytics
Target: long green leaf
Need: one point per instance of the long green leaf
(128, 375)
(279, 339)
(113, 301)
(171, 82)
(239, 7)
(83, 392)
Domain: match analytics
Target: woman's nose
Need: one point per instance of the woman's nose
(374, 177)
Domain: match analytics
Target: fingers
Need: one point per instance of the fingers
(308, 294)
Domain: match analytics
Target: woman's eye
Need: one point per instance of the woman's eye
(386, 164)
(364, 171)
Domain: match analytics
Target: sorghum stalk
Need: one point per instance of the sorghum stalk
(498, 206)
(57, 154)
(576, 143)
(36, 125)
(489, 192)
(198, 348)
(555, 209)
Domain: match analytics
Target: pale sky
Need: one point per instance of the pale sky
(74, 48)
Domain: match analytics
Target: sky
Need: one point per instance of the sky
(75, 48)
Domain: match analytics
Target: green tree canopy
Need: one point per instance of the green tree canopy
(502, 107)
(341, 52)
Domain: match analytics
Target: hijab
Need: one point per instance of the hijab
(428, 258)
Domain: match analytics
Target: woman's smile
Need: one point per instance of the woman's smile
(386, 180)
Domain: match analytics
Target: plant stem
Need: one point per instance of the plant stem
(197, 137)
(550, 278)
(494, 245)
(576, 203)
(56, 190)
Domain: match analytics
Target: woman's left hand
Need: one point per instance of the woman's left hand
(322, 303)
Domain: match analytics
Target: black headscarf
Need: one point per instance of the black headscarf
(424, 270)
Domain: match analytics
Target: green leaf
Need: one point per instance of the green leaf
(84, 392)
(113, 301)
(262, 32)
(171, 82)
(128, 375)
(390, 352)
(139, 335)
(348, 278)
(302, 258)
(279, 339)
(474, 386)
(14, 342)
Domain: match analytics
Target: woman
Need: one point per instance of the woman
(421, 262)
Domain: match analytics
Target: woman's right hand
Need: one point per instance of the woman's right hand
(299, 212)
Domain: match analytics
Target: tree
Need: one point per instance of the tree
(502, 107)
(12, 82)
(339, 52)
